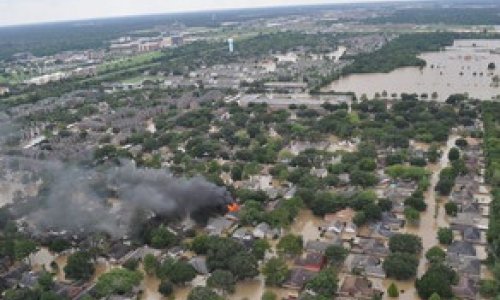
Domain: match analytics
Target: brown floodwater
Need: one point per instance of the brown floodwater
(151, 284)
(460, 68)
(306, 224)
(42, 259)
(430, 220)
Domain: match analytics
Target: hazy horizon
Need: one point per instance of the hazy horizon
(24, 12)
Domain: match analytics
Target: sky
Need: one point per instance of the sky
(16, 12)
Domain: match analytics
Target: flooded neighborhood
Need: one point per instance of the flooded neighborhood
(461, 68)
(312, 152)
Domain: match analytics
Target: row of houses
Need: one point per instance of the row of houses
(472, 197)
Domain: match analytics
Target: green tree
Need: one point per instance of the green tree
(393, 291)
(416, 201)
(259, 248)
(435, 255)
(178, 272)
(20, 294)
(243, 265)
(434, 297)
(461, 142)
(150, 264)
(385, 204)
(131, 264)
(488, 288)
(445, 236)
(408, 243)
(220, 252)
(325, 283)
(268, 295)
(161, 237)
(275, 271)
(166, 288)
(50, 295)
(336, 254)
(401, 266)
(45, 281)
(117, 281)
(203, 293)
(59, 245)
(23, 248)
(451, 209)
(222, 280)
(360, 218)
(79, 266)
(290, 245)
(433, 153)
(412, 215)
(454, 154)
(438, 279)
(200, 244)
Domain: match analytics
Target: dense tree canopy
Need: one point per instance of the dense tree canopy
(79, 266)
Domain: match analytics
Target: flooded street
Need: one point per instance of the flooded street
(461, 68)
(151, 284)
(430, 220)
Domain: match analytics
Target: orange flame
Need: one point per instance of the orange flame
(233, 207)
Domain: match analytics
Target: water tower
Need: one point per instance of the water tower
(230, 42)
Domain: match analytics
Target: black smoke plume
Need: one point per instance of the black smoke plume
(77, 199)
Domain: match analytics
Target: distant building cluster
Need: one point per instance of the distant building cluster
(128, 45)
(58, 76)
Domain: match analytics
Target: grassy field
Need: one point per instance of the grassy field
(129, 62)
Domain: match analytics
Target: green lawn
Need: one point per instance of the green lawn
(128, 62)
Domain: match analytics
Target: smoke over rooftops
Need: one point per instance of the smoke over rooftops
(76, 198)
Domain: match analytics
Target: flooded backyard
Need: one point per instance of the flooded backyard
(460, 68)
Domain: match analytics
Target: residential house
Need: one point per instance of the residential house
(218, 226)
(29, 280)
(241, 233)
(333, 229)
(140, 253)
(360, 288)
(320, 246)
(462, 248)
(199, 263)
(312, 261)
(470, 219)
(298, 278)
(320, 173)
(465, 265)
(176, 252)
(344, 178)
(350, 231)
(367, 265)
(370, 246)
(117, 252)
(264, 231)
(13, 276)
(466, 289)
(473, 235)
